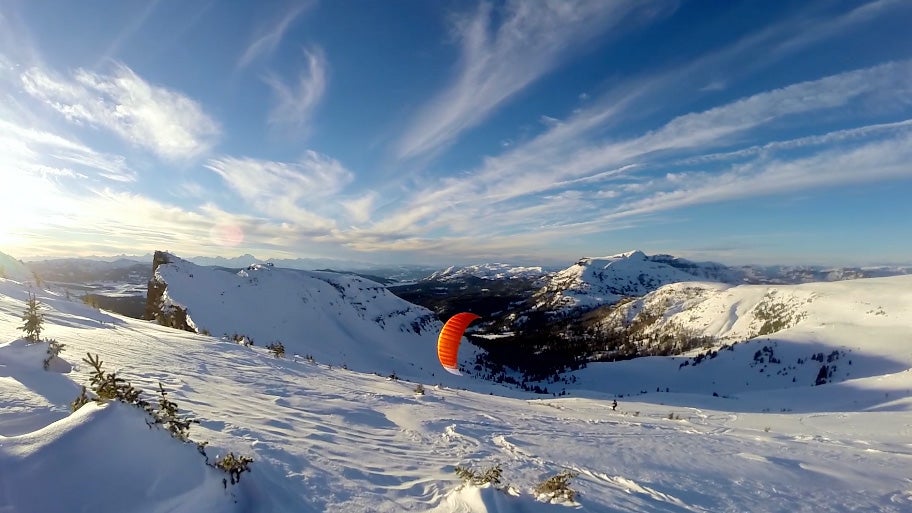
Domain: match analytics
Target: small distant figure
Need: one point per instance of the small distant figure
(614, 405)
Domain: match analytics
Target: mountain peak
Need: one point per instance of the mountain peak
(593, 282)
(635, 254)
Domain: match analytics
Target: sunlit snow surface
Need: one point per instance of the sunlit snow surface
(336, 440)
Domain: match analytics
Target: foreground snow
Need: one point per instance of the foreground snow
(335, 440)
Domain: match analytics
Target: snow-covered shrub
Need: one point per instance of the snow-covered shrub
(166, 415)
(107, 386)
(234, 466)
(277, 349)
(53, 350)
(91, 300)
(490, 475)
(81, 400)
(557, 487)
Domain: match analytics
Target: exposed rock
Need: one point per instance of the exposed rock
(156, 308)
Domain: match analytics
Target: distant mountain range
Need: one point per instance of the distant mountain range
(711, 271)
(536, 321)
(495, 271)
(593, 282)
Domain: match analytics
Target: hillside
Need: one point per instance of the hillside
(14, 269)
(339, 319)
(328, 439)
(764, 337)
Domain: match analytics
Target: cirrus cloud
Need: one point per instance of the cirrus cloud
(165, 122)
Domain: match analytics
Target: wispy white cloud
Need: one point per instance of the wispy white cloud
(500, 59)
(801, 142)
(268, 39)
(295, 104)
(288, 191)
(535, 185)
(814, 31)
(715, 85)
(39, 151)
(866, 162)
(542, 164)
(127, 31)
(15, 38)
(158, 119)
(361, 208)
(736, 62)
(548, 120)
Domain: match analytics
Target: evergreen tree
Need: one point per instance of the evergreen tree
(822, 375)
(33, 319)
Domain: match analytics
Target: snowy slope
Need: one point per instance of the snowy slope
(731, 313)
(858, 329)
(334, 440)
(338, 319)
(13, 269)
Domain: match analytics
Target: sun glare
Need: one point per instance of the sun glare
(23, 200)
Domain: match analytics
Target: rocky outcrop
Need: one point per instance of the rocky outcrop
(157, 309)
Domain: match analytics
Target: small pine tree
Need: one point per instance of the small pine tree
(110, 387)
(53, 350)
(33, 319)
(80, 401)
(822, 375)
(167, 415)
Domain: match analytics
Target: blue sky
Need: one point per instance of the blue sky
(458, 132)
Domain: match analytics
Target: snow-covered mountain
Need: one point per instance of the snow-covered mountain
(493, 271)
(339, 319)
(13, 269)
(394, 272)
(328, 439)
(781, 336)
(593, 282)
(785, 274)
(85, 271)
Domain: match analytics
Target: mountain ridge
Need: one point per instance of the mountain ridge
(372, 329)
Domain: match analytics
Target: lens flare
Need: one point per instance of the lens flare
(226, 234)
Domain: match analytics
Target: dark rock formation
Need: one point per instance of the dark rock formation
(156, 310)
